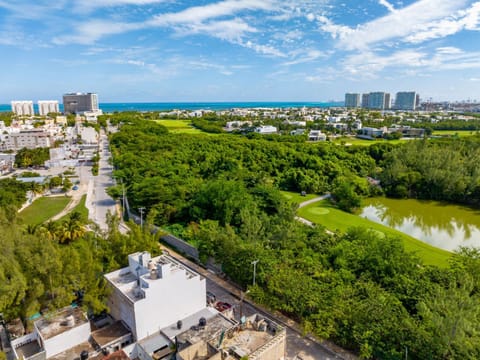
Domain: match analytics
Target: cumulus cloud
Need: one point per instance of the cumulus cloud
(464, 19)
(400, 24)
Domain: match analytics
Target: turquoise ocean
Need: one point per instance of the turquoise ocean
(160, 106)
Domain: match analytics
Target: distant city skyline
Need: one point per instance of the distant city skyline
(238, 50)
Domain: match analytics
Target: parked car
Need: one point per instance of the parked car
(222, 306)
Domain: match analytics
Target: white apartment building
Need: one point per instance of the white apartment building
(153, 293)
(266, 129)
(30, 139)
(23, 107)
(48, 106)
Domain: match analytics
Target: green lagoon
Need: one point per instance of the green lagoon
(442, 225)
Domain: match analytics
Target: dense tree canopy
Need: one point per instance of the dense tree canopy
(361, 289)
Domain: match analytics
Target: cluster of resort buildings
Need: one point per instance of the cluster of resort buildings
(75, 103)
(159, 309)
(380, 100)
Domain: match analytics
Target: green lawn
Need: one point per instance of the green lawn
(80, 208)
(363, 142)
(333, 219)
(297, 197)
(179, 126)
(43, 209)
(460, 133)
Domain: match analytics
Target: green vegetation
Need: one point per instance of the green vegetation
(297, 198)
(49, 266)
(43, 209)
(179, 126)
(27, 174)
(31, 157)
(438, 170)
(81, 209)
(366, 290)
(327, 215)
(455, 133)
(95, 160)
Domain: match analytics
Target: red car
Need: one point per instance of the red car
(222, 306)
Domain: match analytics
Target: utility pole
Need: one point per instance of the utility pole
(123, 200)
(254, 263)
(141, 209)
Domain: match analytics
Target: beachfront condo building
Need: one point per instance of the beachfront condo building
(406, 100)
(47, 106)
(23, 107)
(352, 100)
(78, 103)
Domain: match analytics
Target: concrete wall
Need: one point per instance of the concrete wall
(121, 308)
(181, 246)
(273, 350)
(193, 351)
(67, 339)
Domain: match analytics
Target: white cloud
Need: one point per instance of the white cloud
(231, 30)
(305, 56)
(464, 19)
(399, 24)
(193, 20)
(262, 49)
(90, 32)
(387, 5)
(449, 50)
(90, 5)
(369, 63)
(197, 14)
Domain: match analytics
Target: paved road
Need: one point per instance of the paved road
(308, 347)
(314, 200)
(99, 202)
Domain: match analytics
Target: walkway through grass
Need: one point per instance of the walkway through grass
(43, 209)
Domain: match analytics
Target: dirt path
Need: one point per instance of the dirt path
(76, 197)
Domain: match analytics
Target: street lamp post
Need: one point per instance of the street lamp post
(254, 263)
(141, 209)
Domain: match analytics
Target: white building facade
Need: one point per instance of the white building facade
(151, 294)
(30, 139)
(48, 106)
(24, 107)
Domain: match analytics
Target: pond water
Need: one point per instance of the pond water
(442, 225)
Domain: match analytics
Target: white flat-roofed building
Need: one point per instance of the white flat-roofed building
(266, 129)
(30, 139)
(53, 334)
(23, 107)
(151, 294)
(48, 106)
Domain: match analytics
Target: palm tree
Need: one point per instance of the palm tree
(31, 229)
(71, 229)
(49, 230)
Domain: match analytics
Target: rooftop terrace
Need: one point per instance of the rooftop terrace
(51, 325)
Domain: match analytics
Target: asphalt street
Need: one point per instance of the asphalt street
(100, 203)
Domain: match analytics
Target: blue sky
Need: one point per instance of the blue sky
(238, 50)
